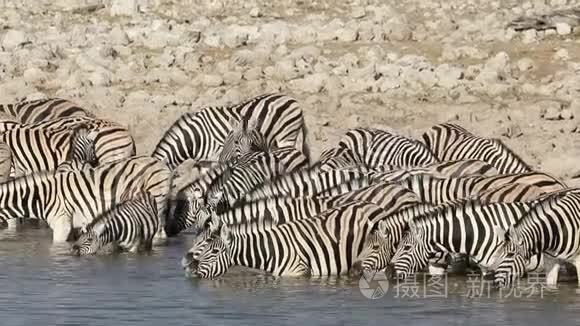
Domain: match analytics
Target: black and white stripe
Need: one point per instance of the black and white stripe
(43, 110)
(70, 200)
(200, 136)
(449, 142)
(435, 190)
(376, 148)
(467, 227)
(551, 229)
(326, 245)
(129, 226)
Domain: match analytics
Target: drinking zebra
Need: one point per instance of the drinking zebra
(71, 200)
(200, 136)
(130, 226)
(551, 229)
(43, 110)
(278, 210)
(467, 227)
(448, 142)
(326, 245)
(387, 235)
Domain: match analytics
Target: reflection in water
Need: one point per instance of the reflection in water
(42, 284)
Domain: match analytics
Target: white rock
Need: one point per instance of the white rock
(101, 77)
(448, 76)
(13, 38)
(309, 84)
(563, 28)
(211, 80)
(34, 75)
(255, 12)
(254, 73)
(499, 63)
(525, 64)
(562, 54)
(117, 36)
(530, 36)
(346, 34)
(550, 110)
(358, 12)
(124, 7)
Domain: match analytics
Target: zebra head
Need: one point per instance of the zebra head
(411, 255)
(210, 255)
(377, 250)
(190, 207)
(83, 145)
(88, 242)
(510, 258)
(243, 139)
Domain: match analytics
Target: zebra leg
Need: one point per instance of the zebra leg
(577, 265)
(552, 275)
(60, 232)
(13, 223)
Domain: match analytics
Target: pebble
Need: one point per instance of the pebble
(255, 12)
(525, 64)
(13, 38)
(562, 54)
(358, 12)
(563, 28)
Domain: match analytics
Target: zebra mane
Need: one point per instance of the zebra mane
(499, 143)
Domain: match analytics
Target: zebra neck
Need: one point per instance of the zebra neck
(247, 251)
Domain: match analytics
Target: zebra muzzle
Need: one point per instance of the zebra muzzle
(76, 250)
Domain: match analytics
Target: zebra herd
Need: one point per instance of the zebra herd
(376, 200)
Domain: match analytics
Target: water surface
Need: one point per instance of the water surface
(42, 285)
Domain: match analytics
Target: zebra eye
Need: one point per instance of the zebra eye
(376, 247)
(215, 251)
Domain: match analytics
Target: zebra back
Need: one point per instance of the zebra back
(43, 110)
(451, 142)
(200, 136)
(310, 182)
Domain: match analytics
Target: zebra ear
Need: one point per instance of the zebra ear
(235, 123)
(214, 198)
(226, 234)
(92, 135)
(83, 229)
(382, 228)
(98, 228)
(197, 194)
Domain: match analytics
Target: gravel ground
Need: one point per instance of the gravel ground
(404, 65)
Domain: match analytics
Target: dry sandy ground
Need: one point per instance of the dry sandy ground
(404, 65)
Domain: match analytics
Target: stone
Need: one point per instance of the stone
(525, 64)
(211, 80)
(124, 7)
(254, 73)
(313, 83)
(562, 54)
(13, 38)
(346, 34)
(117, 36)
(563, 28)
(358, 12)
(550, 110)
(566, 114)
(448, 76)
(529, 36)
(255, 12)
(34, 75)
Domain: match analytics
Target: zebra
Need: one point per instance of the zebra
(8, 122)
(70, 200)
(437, 190)
(447, 169)
(468, 227)
(551, 229)
(278, 210)
(376, 148)
(36, 150)
(242, 140)
(130, 225)
(449, 141)
(200, 136)
(233, 181)
(386, 236)
(325, 245)
(112, 141)
(43, 110)
(311, 182)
